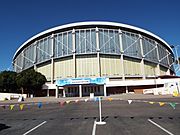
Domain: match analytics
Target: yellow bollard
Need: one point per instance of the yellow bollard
(175, 93)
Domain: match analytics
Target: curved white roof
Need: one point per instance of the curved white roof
(91, 23)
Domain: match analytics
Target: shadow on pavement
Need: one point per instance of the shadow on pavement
(3, 126)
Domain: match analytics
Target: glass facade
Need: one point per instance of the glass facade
(63, 44)
(109, 41)
(90, 41)
(163, 55)
(18, 63)
(29, 56)
(150, 49)
(85, 41)
(131, 44)
(43, 49)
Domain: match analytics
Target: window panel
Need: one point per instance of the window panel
(28, 56)
(150, 49)
(60, 45)
(85, 41)
(131, 44)
(163, 55)
(63, 44)
(109, 41)
(70, 43)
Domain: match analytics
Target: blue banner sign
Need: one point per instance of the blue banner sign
(76, 81)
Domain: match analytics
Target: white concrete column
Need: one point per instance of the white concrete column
(64, 93)
(35, 67)
(158, 70)
(80, 90)
(35, 55)
(122, 52)
(74, 52)
(122, 67)
(23, 60)
(120, 41)
(98, 51)
(57, 92)
(168, 57)
(105, 92)
(47, 92)
(127, 89)
(142, 61)
(52, 70)
(142, 68)
(168, 72)
(158, 67)
(52, 58)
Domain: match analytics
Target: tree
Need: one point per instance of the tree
(30, 81)
(8, 81)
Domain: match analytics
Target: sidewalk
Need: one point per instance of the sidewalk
(119, 96)
(127, 96)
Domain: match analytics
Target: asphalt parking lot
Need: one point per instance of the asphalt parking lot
(79, 118)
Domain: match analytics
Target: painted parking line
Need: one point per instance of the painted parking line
(94, 128)
(34, 128)
(154, 123)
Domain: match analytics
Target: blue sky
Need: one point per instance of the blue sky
(22, 19)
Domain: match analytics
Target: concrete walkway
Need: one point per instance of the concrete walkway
(119, 96)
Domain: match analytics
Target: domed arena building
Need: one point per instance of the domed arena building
(97, 57)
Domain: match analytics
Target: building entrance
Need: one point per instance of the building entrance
(74, 91)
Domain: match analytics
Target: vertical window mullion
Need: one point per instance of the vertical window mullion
(103, 41)
(91, 44)
(67, 43)
(109, 41)
(80, 42)
(85, 40)
(62, 42)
